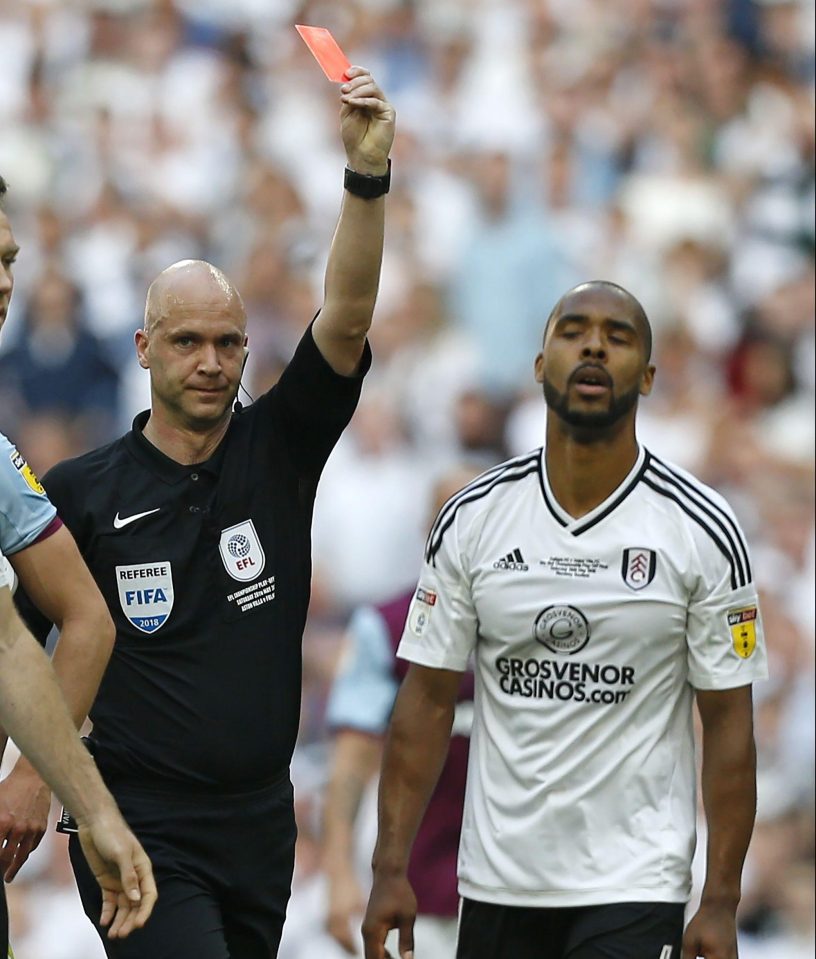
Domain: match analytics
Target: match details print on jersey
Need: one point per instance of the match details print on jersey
(244, 559)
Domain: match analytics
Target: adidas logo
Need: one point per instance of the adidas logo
(514, 561)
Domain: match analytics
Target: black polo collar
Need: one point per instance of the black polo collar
(165, 468)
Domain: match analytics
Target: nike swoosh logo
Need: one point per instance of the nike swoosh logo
(119, 523)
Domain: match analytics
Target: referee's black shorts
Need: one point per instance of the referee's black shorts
(223, 867)
(623, 930)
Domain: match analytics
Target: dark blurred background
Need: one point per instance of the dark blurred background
(667, 145)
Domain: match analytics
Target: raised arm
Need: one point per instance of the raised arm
(353, 270)
(56, 579)
(729, 800)
(415, 751)
(34, 713)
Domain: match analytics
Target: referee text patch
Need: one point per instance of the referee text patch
(146, 594)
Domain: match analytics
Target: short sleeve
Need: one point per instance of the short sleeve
(726, 643)
(25, 510)
(8, 577)
(312, 403)
(441, 626)
(363, 693)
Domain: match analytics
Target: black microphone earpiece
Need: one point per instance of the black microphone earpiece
(237, 406)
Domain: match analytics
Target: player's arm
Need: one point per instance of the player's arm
(359, 706)
(355, 761)
(55, 578)
(34, 713)
(415, 750)
(353, 269)
(729, 800)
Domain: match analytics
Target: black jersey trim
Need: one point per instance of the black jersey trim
(743, 573)
(700, 522)
(614, 504)
(696, 492)
(548, 502)
(503, 473)
(617, 500)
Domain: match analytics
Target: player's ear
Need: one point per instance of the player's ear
(538, 367)
(246, 357)
(647, 381)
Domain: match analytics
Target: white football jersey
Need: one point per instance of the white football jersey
(7, 575)
(588, 636)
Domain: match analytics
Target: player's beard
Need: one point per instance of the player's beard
(592, 420)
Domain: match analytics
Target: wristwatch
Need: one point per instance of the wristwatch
(366, 186)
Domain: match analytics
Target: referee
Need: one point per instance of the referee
(196, 527)
(600, 590)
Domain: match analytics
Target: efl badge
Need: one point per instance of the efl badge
(241, 551)
(421, 609)
(742, 623)
(146, 594)
(19, 463)
(638, 566)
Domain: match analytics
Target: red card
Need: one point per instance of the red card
(326, 51)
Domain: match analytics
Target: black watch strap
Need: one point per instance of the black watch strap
(366, 186)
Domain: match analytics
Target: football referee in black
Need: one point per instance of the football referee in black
(196, 527)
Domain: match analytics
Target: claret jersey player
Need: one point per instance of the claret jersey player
(589, 637)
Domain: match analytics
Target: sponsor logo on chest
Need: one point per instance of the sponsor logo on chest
(241, 551)
(146, 594)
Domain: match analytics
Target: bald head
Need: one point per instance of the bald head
(617, 302)
(191, 286)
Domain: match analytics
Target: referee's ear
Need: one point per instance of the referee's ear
(141, 340)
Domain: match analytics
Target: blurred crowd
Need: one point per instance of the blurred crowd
(667, 145)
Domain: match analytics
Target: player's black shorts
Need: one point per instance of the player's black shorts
(623, 930)
(223, 866)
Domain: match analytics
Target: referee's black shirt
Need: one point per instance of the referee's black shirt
(206, 571)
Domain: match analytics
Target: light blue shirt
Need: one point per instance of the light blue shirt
(363, 693)
(25, 510)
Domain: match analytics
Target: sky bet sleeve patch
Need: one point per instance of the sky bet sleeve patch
(19, 463)
(742, 623)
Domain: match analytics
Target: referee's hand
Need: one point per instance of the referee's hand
(392, 905)
(366, 121)
(123, 871)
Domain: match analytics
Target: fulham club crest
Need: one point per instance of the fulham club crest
(638, 566)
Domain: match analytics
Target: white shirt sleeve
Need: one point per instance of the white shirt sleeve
(8, 577)
(442, 625)
(726, 643)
